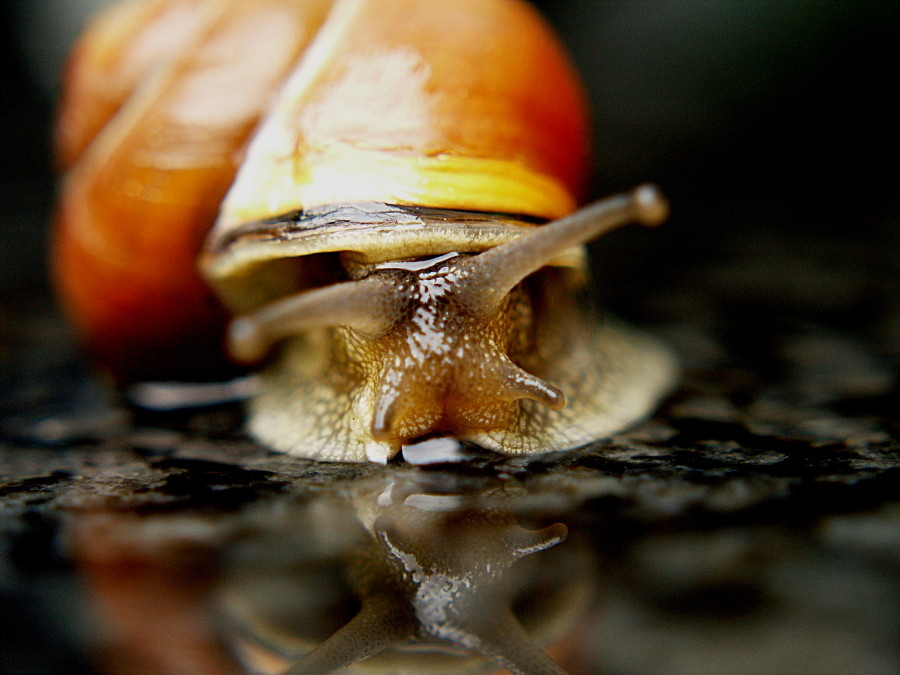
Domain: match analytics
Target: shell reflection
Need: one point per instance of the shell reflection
(397, 573)
(399, 579)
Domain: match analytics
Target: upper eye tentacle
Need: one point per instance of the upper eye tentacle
(488, 277)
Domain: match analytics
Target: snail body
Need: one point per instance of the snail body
(376, 179)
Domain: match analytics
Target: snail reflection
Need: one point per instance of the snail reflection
(371, 575)
(428, 582)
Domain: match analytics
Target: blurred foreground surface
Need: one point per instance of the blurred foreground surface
(753, 525)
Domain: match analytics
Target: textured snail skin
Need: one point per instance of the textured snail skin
(388, 166)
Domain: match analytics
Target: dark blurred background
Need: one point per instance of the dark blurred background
(769, 125)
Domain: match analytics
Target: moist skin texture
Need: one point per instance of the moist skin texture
(345, 395)
(476, 346)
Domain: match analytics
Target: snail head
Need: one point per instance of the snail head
(438, 345)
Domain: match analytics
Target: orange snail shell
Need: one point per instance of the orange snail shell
(355, 127)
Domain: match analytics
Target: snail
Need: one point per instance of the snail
(378, 197)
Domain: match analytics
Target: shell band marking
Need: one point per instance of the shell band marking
(323, 220)
(441, 181)
(372, 232)
(389, 105)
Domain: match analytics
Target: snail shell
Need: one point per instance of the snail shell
(389, 165)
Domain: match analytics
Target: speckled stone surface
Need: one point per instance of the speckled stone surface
(752, 525)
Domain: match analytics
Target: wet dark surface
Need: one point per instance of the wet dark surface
(751, 526)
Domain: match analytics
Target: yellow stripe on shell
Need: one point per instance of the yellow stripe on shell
(341, 173)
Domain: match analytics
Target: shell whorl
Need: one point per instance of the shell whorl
(389, 105)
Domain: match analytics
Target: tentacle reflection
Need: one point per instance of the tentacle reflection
(428, 582)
